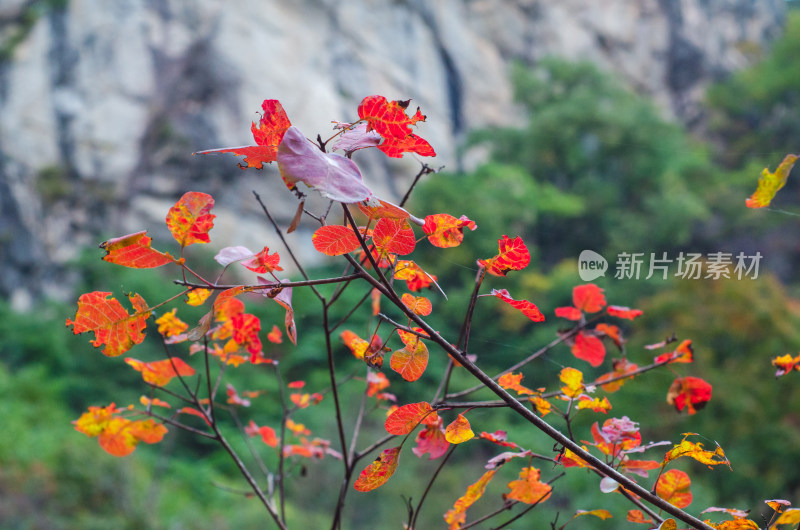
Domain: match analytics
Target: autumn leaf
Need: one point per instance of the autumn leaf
(785, 364)
(378, 472)
(275, 336)
(406, 418)
(691, 393)
(388, 118)
(197, 296)
(459, 430)
(431, 440)
(331, 174)
(637, 516)
(623, 312)
(393, 236)
(414, 276)
(457, 515)
(498, 437)
(512, 381)
(267, 134)
(682, 354)
(159, 373)
(673, 487)
(445, 231)
(267, 434)
(770, 183)
(602, 514)
(385, 209)
(513, 255)
(355, 137)
(419, 305)
(611, 331)
(589, 348)
(568, 312)
(335, 240)
(695, 450)
(621, 367)
(790, 516)
(528, 489)
(410, 144)
(543, 407)
(283, 296)
(169, 325)
(356, 344)
(190, 219)
(263, 262)
(411, 361)
(594, 404)
(134, 251)
(376, 382)
(525, 307)
(121, 435)
(112, 325)
(155, 402)
(588, 298)
(573, 381)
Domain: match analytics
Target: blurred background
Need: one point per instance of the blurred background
(616, 126)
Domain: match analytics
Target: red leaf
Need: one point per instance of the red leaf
(623, 312)
(190, 219)
(528, 309)
(589, 349)
(588, 298)
(498, 437)
(267, 134)
(334, 240)
(410, 144)
(691, 393)
(569, 312)
(431, 440)
(406, 418)
(263, 262)
(684, 353)
(393, 236)
(414, 276)
(388, 118)
(513, 255)
(378, 472)
(384, 209)
(134, 251)
(110, 322)
(445, 231)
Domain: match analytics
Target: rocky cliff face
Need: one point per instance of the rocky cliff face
(101, 103)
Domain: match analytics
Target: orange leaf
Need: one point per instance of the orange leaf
(197, 296)
(457, 515)
(621, 368)
(334, 240)
(673, 487)
(588, 298)
(595, 404)
(378, 472)
(528, 489)
(445, 231)
(459, 430)
(589, 348)
(275, 336)
(134, 251)
(414, 276)
(357, 345)
(393, 236)
(513, 255)
(418, 305)
(528, 309)
(785, 364)
(637, 516)
(190, 219)
(569, 312)
(410, 144)
(159, 373)
(384, 209)
(388, 118)
(95, 420)
(155, 402)
(375, 296)
(770, 183)
(512, 381)
(267, 134)
(376, 381)
(682, 354)
(543, 406)
(263, 262)
(110, 322)
(611, 331)
(411, 361)
(691, 393)
(406, 418)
